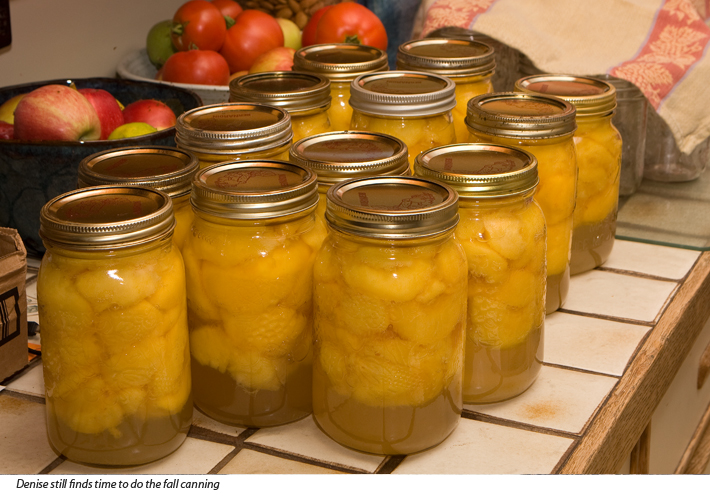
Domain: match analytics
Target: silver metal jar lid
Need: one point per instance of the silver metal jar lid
(230, 127)
(254, 190)
(340, 61)
(107, 217)
(591, 96)
(340, 156)
(402, 93)
(447, 57)
(392, 207)
(164, 168)
(516, 115)
(480, 170)
(295, 92)
(625, 90)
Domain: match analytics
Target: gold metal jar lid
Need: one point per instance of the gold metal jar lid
(392, 207)
(295, 92)
(480, 170)
(447, 57)
(516, 115)
(339, 156)
(402, 93)
(591, 96)
(166, 169)
(233, 127)
(340, 61)
(254, 190)
(107, 217)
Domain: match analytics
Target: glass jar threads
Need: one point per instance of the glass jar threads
(166, 169)
(389, 314)
(414, 107)
(543, 126)
(249, 263)
(234, 131)
(470, 64)
(341, 63)
(111, 293)
(305, 96)
(598, 145)
(502, 230)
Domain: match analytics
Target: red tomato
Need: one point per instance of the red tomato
(198, 24)
(253, 33)
(204, 67)
(309, 32)
(351, 22)
(229, 9)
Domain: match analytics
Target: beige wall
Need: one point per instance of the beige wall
(76, 38)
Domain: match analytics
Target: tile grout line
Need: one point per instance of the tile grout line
(642, 275)
(582, 370)
(51, 466)
(518, 425)
(303, 459)
(23, 396)
(610, 318)
(389, 464)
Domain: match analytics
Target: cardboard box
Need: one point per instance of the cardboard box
(13, 303)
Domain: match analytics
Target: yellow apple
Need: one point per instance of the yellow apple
(133, 129)
(7, 110)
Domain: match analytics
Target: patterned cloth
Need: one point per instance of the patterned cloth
(659, 45)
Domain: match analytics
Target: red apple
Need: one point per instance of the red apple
(7, 130)
(149, 111)
(107, 108)
(278, 59)
(56, 112)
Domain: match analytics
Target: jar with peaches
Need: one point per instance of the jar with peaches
(115, 355)
(599, 147)
(341, 63)
(234, 131)
(543, 126)
(305, 96)
(502, 230)
(469, 64)
(390, 316)
(166, 169)
(249, 264)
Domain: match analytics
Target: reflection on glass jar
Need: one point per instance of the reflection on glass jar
(543, 126)
(114, 327)
(390, 313)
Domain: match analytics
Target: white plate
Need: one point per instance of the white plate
(137, 66)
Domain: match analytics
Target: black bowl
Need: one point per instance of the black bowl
(33, 172)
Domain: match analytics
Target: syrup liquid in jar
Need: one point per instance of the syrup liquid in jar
(390, 316)
(502, 230)
(341, 63)
(111, 293)
(599, 148)
(544, 126)
(249, 263)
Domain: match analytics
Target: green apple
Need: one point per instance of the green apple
(158, 43)
(292, 35)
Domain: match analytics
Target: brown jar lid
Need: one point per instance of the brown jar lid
(293, 91)
(591, 96)
(340, 61)
(447, 57)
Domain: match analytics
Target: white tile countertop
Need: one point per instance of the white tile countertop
(592, 347)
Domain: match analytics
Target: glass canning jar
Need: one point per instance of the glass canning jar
(341, 63)
(115, 355)
(305, 96)
(543, 126)
(502, 230)
(234, 131)
(249, 263)
(390, 316)
(470, 64)
(415, 107)
(166, 169)
(598, 145)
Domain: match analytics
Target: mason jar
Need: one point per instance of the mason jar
(502, 230)
(234, 131)
(415, 107)
(598, 145)
(249, 263)
(164, 168)
(305, 96)
(543, 126)
(469, 64)
(390, 316)
(341, 63)
(115, 355)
